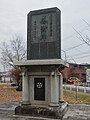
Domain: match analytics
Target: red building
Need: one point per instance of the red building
(76, 70)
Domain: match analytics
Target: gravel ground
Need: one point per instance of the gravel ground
(78, 112)
(75, 112)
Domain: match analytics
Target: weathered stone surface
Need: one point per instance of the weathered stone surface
(45, 112)
(77, 112)
(45, 62)
(44, 34)
(73, 113)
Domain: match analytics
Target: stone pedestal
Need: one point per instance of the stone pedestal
(61, 100)
(42, 111)
(54, 79)
(42, 93)
(25, 88)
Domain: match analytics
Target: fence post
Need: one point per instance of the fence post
(76, 93)
(84, 89)
(70, 88)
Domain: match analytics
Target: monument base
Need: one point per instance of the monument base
(42, 111)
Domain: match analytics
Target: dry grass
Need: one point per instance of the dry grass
(8, 93)
(72, 97)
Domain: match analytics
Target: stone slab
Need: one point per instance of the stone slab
(41, 62)
(44, 34)
(42, 111)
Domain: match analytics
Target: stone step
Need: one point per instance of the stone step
(18, 117)
(75, 118)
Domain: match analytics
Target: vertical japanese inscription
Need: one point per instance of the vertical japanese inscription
(44, 34)
(44, 26)
(51, 29)
(35, 30)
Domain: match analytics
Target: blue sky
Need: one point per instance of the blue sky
(13, 20)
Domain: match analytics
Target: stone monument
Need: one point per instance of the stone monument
(44, 34)
(42, 94)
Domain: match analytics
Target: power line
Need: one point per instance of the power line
(86, 22)
(85, 40)
(75, 47)
(81, 57)
(81, 53)
(82, 37)
(83, 29)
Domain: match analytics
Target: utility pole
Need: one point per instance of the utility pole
(66, 73)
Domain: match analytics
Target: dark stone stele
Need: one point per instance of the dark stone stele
(44, 34)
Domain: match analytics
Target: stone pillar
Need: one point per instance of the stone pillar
(25, 88)
(60, 88)
(54, 83)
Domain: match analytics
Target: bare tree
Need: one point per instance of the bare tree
(14, 50)
(83, 37)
